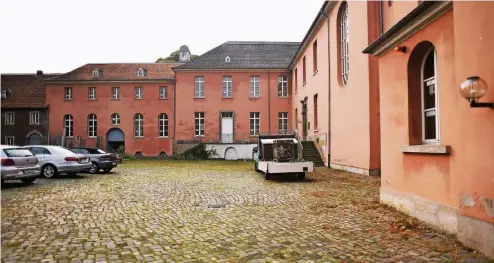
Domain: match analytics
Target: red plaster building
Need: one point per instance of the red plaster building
(112, 105)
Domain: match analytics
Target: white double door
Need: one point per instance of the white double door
(227, 127)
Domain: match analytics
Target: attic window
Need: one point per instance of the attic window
(227, 59)
(95, 73)
(140, 72)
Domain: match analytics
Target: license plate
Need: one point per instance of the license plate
(31, 171)
(84, 160)
(114, 163)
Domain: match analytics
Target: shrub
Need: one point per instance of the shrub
(197, 152)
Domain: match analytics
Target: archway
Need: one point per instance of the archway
(34, 138)
(231, 154)
(115, 138)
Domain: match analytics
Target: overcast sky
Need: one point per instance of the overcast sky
(57, 36)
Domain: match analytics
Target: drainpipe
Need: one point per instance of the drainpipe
(329, 93)
(381, 23)
(174, 81)
(269, 103)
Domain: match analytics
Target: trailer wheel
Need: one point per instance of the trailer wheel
(267, 176)
(301, 176)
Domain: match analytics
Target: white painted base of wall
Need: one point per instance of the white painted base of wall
(355, 170)
(232, 151)
(441, 216)
(476, 234)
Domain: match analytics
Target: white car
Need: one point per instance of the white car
(18, 164)
(55, 160)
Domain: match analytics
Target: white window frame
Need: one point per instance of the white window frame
(115, 119)
(138, 93)
(95, 73)
(255, 123)
(68, 124)
(227, 87)
(115, 93)
(92, 93)
(344, 46)
(199, 122)
(283, 86)
(92, 126)
(9, 118)
(68, 93)
(436, 96)
(138, 125)
(163, 92)
(283, 122)
(34, 117)
(140, 72)
(199, 89)
(163, 125)
(7, 140)
(255, 87)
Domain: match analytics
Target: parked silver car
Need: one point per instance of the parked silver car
(99, 158)
(55, 160)
(18, 164)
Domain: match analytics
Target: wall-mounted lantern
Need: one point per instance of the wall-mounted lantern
(472, 89)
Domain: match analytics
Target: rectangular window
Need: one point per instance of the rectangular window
(254, 123)
(282, 86)
(315, 112)
(314, 56)
(34, 117)
(199, 87)
(296, 80)
(255, 88)
(163, 93)
(92, 93)
(9, 118)
(9, 140)
(163, 125)
(68, 93)
(115, 93)
(227, 87)
(430, 118)
(303, 71)
(138, 93)
(283, 122)
(199, 123)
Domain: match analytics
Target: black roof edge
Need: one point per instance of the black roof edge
(314, 23)
(420, 9)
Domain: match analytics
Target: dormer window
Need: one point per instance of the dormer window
(140, 72)
(95, 73)
(227, 59)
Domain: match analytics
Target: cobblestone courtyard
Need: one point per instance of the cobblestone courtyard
(177, 211)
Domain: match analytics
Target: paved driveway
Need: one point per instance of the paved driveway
(212, 212)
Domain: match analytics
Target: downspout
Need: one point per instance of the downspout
(329, 93)
(381, 23)
(174, 113)
(269, 103)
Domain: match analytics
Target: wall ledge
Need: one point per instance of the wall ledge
(426, 149)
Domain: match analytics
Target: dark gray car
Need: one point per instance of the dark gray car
(100, 159)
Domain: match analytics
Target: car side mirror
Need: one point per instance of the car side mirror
(254, 149)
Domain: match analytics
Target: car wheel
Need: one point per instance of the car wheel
(49, 171)
(301, 176)
(267, 176)
(94, 169)
(107, 170)
(28, 180)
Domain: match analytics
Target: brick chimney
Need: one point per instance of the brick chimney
(39, 73)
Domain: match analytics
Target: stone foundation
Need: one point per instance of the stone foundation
(476, 234)
(356, 170)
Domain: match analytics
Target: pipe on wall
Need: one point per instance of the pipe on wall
(381, 23)
(328, 135)
(269, 102)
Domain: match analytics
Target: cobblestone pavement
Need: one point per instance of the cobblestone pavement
(177, 211)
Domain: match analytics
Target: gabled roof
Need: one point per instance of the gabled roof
(245, 55)
(119, 72)
(26, 90)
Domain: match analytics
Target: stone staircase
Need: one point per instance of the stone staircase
(312, 154)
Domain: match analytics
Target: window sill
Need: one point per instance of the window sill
(163, 98)
(254, 136)
(315, 72)
(199, 136)
(284, 97)
(426, 149)
(199, 97)
(138, 137)
(316, 130)
(303, 85)
(91, 137)
(162, 137)
(138, 98)
(258, 97)
(115, 124)
(33, 123)
(227, 97)
(115, 99)
(68, 99)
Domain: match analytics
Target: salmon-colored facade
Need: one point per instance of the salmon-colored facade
(447, 181)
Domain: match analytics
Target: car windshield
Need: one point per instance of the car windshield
(17, 152)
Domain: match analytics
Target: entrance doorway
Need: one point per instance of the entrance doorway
(227, 127)
(304, 119)
(115, 138)
(34, 139)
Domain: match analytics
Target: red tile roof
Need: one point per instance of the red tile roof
(26, 90)
(120, 72)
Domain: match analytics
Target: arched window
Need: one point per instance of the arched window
(163, 125)
(92, 125)
(138, 125)
(68, 125)
(344, 52)
(430, 129)
(115, 119)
